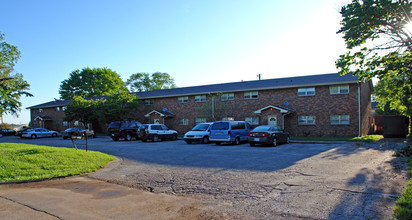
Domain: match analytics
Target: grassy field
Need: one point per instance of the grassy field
(22, 162)
(368, 138)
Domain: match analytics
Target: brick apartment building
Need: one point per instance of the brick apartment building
(317, 105)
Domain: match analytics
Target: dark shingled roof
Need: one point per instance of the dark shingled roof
(322, 79)
(300, 81)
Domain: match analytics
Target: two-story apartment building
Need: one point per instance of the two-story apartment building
(317, 105)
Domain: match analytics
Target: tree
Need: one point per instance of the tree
(83, 110)
(379, 38)
(212, 110)
(118, 106)
(140, 82)
(12, 85)
(91, 83)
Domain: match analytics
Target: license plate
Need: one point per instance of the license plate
(219, 133)
(256, 139)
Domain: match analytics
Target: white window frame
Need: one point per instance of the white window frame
(251, 95)
(200, 120)
(306, 91)
(340, 89)
(307, 120)
(64, 108)
(183, 99)
(148, 102)
(183, 121)
(40, 110)
(76, 123)
(252, 120)
(58, 108)
(200, 98)
(65, 123)
(227, 96)
(339, 119)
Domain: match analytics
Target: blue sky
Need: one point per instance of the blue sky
(196, 42)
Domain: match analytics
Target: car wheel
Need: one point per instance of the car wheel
(274, 142)
(237, 141)
(188, 142)
(128, 137)
(33, 136)
(252, 144)
(205, 140)
(115, 138)
(54, 135)
(217, 143)
(174, 137)
(155, 138)
(287, 139)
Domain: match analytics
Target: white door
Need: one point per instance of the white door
(272, 120)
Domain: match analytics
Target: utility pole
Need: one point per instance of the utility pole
(259, 75)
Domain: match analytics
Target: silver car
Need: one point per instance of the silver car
(39, 132)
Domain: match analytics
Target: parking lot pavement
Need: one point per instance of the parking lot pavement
(293, 181)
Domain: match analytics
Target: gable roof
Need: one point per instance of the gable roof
(279, 83)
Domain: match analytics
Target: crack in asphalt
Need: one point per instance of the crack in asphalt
(30, 207)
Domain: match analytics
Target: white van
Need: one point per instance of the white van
(199, 134)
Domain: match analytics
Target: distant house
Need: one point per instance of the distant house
(316, 105)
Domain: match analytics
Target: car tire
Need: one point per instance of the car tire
(33, 136)
(188, 142)
(252, 144)
(115, 138)
(174, 137)
(218, 143)
(54, 135)
(237, 141)
(287, 139)
(205, 140)
(274, 142)
(128, 137)
(155, 138)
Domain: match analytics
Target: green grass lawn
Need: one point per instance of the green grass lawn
(368, 138)
(403, 208)
(22, 162)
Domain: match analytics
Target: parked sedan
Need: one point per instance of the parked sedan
(267, 134)
(75, 131)
(7, 132)
(21, 130)
(39, 132)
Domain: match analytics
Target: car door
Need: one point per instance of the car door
(157, 129)
(166, 132)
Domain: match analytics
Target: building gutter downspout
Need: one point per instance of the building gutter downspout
(359, 111)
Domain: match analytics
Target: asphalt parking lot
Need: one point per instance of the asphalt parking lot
(297, 180)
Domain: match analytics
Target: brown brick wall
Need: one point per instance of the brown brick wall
(322, 106)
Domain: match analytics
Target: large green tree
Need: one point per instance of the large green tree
(83, 110)
(140, 82)
(12, 85)
(378, 36)
(91, 83)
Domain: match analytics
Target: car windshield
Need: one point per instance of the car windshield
(115, 124)
(220, 126)
(200, 127)
(262, 128)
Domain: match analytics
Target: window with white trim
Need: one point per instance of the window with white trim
(306, 120)
(251, 95)
(200, 120)
(343, 89)
(40, 110)
(227, 96)
(200, 98)
(148, 102)
(58, 108)
(306, 91)
(228, 119)
(76, 123)
(65, 123)
(183, 121)
(252, 120)
(339, 119)
(64, 108)
(183, 99)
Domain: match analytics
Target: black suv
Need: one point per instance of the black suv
(126, 129)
